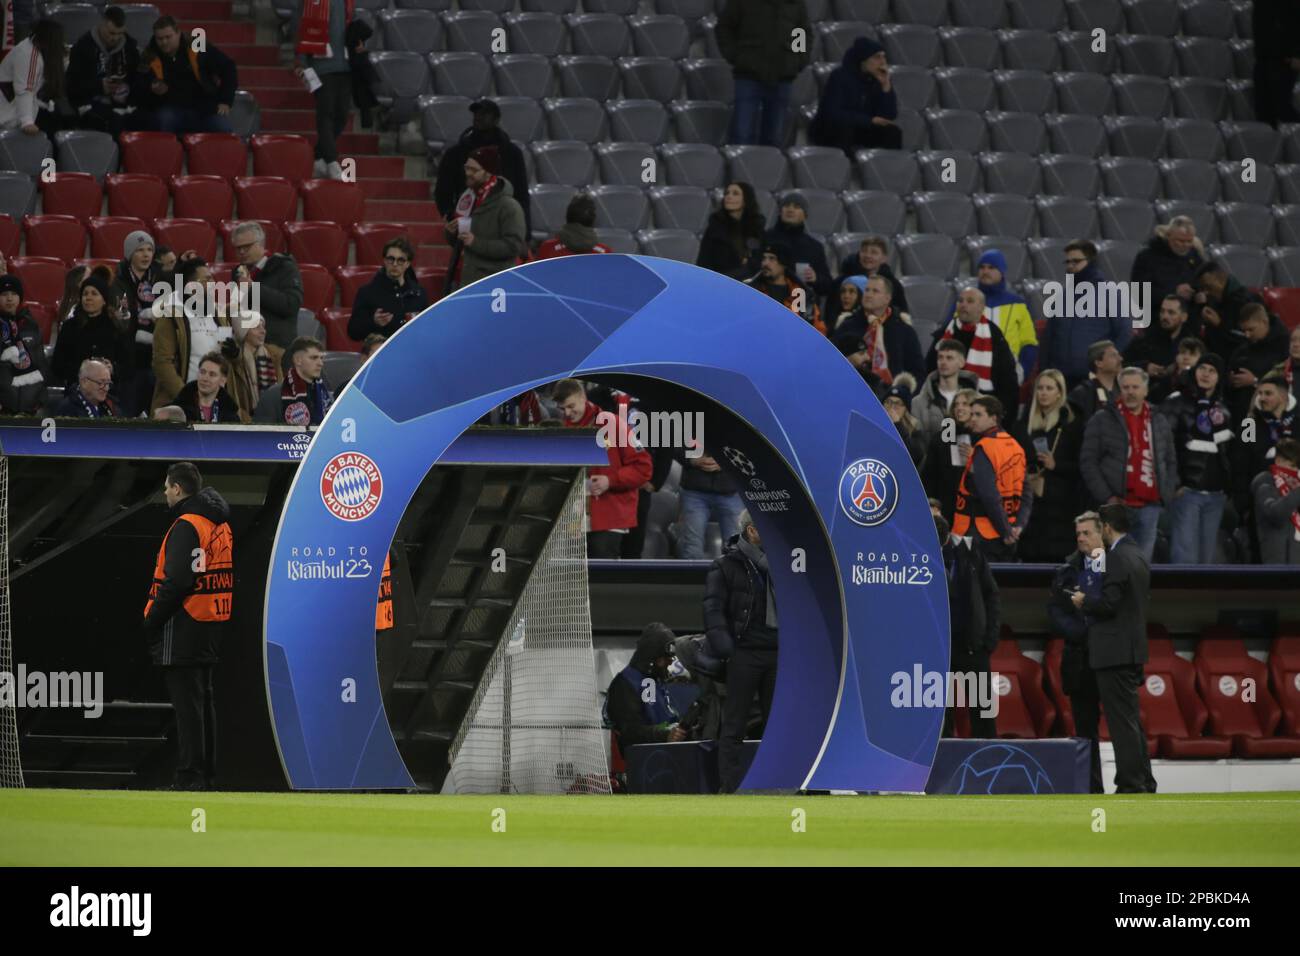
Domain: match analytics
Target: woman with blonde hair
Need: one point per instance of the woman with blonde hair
(948, 452)
(1051, 433)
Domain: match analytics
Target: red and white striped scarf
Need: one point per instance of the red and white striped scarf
(472, 198)
(979, 354)
(1287, 480)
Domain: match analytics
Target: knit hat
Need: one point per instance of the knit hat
(489, 157)
(11, 283)
(95, 282)
(994, 258)
(864, 48)
(1211, 358)
(795, 198)
(487, 105)
(782, 253)
(858, 282)
(134, 241)
(901, 389)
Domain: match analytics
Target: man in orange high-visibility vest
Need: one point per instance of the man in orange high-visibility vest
(993, 498)
(186, 614)
(384, 609)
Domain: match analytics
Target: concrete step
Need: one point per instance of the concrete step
(196, 12)
(402, 210)
(228, 32)
(283, 98)
(246, 56)
(291, 121)
(381, 167)
(374, 188)
(254, 78)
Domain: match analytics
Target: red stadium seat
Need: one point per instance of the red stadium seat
(142, 195)
(371, 236)
(11, 236)
(1284, 668)
(221, 271)
(1285, 302)
(336, 330)
(1056, 686)
(351, 279)
(63, 237)
(1223, 670)
(72, 194)
(1024, 709)
(43, 313)
(278, 154)
(274, 236)
(317, 287)
(209, 198)
(42, 277)
(323, 243)
(435, 257)
(330, 200)
(215, 154)
(186, 234)
(108, 235)
(1173, 714)
(434, 281)
(156, 153)
(267, 197)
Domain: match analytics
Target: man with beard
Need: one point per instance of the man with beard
(776, 279)
(1155, 350)
(637, 702)
(104, 63)
(806, 251)
(485, 131)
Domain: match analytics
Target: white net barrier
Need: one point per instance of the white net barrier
(534, 724)
(11, 769)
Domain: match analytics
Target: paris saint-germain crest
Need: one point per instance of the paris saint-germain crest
(868, 492)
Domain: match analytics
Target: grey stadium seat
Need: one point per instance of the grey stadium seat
(660, 35)
(1077, 53)
(1071, 133)
(1131, 219)
(1025, 91)
(340, 367)
(1243, 56)
(443, 119)
(1089, 94)
(1246, 222)
(1013, 173)
(1196, 97)
(140, 19)
(956, 129)
(692, 164)
(1047, 254)
(932, 13)
(547, 203)
(680, 207)
(401, 79)
(874, 211)
(523, 74)
(245, 115)
(931, 301)
(1037, 14)
(1032, 292)
(1285, 265)
(1192, 139)
(591, 76)
(521, 117)
(1208, 18)
(75, 18)
(650, 77)
(1286, 221)
(599, 34)
(1130, 176)
(547, 6)
(914, 87)
(1066, 217)
(637, 121)
(970, 46)
(494, 6)
(927, 254)
(836, 37)
(17, 195)
(1116, 257)
(1204, 56)
(910, 44)
(1259, 141)
(826, 213)
(763, 167)
(964, 88)
(686, 9)
(460, 74)
(978, 13)
(1288, 181)
(575, 117)
(1207, 227)
(618, 240)
(470, 31)
(679, 244)
(1241, 99)
(890, 170)
(871, 11)
(1004, 214)
(1138, 53)
(1248, 264)
(1016, 132)
(953, 171)
(1107, 15)
(948, 213)
(621, 207)
(819, 167)
(1070, 174)
(1263, 190)
(709, 80)
(623, 8)
(1029, 50)
(415, 31)
(700, 121)
(1011, 247)
(1140, 95)
(537, 32)
(621, 164)
(85, 151)
(568, 162)
(1140, 136)
(916, 135)
(1156, 17)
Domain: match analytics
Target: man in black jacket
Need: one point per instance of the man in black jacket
(279, 283)
(191, 85)
(185, 617)
(1219, 304)
(1156, 349)
(872, 259)
(392, 298)
(974, 610)
(707, 494)
(964, 326)
(757, 38)
(1170, 260)
(485, 131)
(741, 623)
(1266, 343)
(102, 69)
(637, 703)
(1117, 646)
(806, 252)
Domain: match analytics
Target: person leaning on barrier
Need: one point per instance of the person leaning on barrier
(974, 609)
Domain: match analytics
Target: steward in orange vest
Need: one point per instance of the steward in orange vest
(993, 496)
(384, 609)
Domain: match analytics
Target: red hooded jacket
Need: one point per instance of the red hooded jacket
(629, 469)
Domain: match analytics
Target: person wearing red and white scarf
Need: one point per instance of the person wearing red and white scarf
(488, 226)
(988, 356)
(1276, 494)
(23, 366)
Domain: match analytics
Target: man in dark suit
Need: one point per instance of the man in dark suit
(975, 613)
(1117, 646)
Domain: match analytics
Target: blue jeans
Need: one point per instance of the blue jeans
(171, 119)
(1195, 533)
(758, 116)
(697, 508)
(1143, 523)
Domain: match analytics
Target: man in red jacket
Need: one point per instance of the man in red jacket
(612, 491)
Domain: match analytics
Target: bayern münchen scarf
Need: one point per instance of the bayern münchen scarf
(1140, 469)
(303, 402)
(472, 198)
(314, 27)
(979, 354)
(1287, 480)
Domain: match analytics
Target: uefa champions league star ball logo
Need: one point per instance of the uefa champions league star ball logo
(739, 460)
(868, 492)
(351, 486)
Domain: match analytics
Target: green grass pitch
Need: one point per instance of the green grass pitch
(97, 828)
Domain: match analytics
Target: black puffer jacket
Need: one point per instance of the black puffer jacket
(1166, 271)
(1105, 455)
(735, 599)
(803, 247)
(1050, 532)
(405, 302)
(974, 606)
(754, 37)
(1204, 447)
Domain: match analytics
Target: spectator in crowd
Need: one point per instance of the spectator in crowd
(931, 404)
(1273, 418)
(872, 259)
(883, 338)
(1275, 29)
(1265, 346)
(392, 298)
(371, 344)
(137, 274)
(1051, 434)
(1101, 387)
(304, 396)
(103, 65)
(858, 108)
(806, 251)
(364, 76)
(1128, 458)
(486, 130)
(1155, 349)
(1068, 335)
(1290, 369)
(23, 365)
(661, 461)
(945, 460)
(776, 278)
(1008, 312)
(993, 497)
(848, 305)
(612, 490)
(1276, 494)
(183, 335)
(191, 86)
(757, 39)
(88, 398)
(1203, 436)
(205, 399)
(255, 364)
(898, 402)
(637, 702)
(165, 256)
(707, 493)
(987, 354)
(95, 329)
(488, 227)
(578, 234)
(279, 283)
(975, 616)
(34, 72)
(1081, 572)
(185, 618)
(733, 234)
(1170, 260)
(740, 619)
(1189, 352)
(71, 294)
(169, 413)
(321, 28)
(1117, 645)
(1220, 304)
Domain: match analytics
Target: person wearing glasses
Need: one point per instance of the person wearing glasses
(392, 298)
(1067, 337)
(89, 397)
(279, 283)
